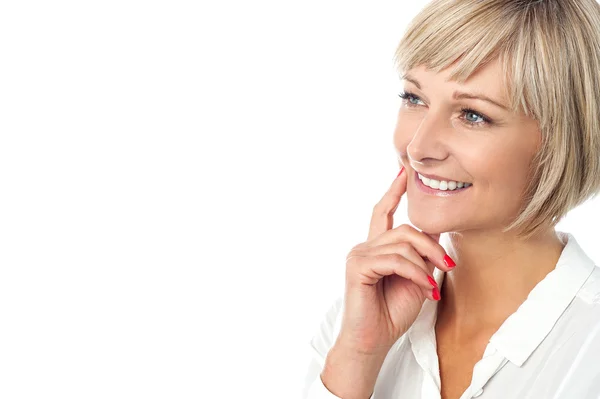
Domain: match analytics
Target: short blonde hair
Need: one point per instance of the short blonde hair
(550, 54)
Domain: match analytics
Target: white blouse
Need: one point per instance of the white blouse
(549, 348)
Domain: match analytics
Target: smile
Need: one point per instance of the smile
(440, 188)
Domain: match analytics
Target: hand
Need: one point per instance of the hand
(387, 278)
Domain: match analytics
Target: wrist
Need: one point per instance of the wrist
(351, 374)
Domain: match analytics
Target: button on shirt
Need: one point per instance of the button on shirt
(549, 348)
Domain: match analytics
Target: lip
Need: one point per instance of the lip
(432, 191)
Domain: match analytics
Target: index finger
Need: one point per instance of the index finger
(382, 218)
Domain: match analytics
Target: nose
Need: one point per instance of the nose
(428, 141)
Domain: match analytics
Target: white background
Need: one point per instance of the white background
(180, 183)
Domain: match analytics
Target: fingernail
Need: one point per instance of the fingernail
(432, 281)
(401, 170)
(436, 294)
(449, 262)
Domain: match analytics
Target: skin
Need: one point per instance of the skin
(494, 271)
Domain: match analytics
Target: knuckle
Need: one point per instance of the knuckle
(377, 209)
(407, 228)
(351, 254)
(352, 262)
(381, 208)
(397, 259)
(358, 247)
(403, 228)
(403, 246)
(357, 250)
(364, 246)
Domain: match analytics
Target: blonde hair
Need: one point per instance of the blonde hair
(550, 54)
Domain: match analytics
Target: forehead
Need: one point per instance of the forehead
(488, 79)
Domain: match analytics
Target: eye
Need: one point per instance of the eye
(407, 96)
(483, 120)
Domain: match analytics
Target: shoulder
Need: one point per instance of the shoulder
(590, 290)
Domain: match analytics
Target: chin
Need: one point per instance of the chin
(429, 222)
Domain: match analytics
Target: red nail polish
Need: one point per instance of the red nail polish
(401, 170)
(436, 294)
(432, 281)
(449, 262)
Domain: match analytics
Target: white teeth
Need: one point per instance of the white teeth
(442, 185)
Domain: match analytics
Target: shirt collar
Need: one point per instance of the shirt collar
(518, 337)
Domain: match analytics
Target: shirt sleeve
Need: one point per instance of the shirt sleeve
(319, 346)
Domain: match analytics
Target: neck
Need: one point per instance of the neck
(494, 273)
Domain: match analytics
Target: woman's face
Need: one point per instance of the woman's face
(433, 136)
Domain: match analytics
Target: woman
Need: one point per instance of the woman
(498, 137)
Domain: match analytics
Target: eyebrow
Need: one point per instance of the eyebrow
(458, 94)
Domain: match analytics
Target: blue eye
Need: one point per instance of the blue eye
(470, 111)
(407, 96)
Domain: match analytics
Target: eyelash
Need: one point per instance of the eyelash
(405, 95)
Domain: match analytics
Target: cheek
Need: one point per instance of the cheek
(505, 173)
(513, 155)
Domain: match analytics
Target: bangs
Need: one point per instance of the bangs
(470, 34)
